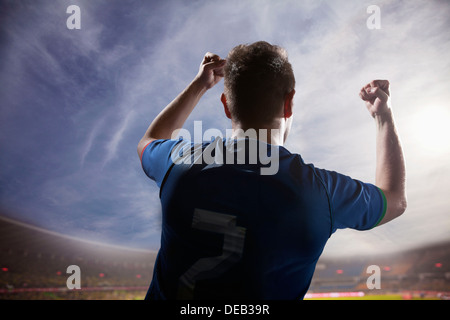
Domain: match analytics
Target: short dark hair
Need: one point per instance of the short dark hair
(257, 79)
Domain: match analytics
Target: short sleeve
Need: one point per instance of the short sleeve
(354, 204)
(156, 159)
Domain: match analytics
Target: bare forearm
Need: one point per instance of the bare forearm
(174, 115)
(390, 169)
(390, 166)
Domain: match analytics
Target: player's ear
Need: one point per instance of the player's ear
(225, 105)
(288, 104)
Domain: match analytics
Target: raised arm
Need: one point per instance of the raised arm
(173, 116)
(390, 163)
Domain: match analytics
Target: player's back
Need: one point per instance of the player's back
(229, 231)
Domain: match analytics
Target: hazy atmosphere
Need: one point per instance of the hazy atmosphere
(74, 103)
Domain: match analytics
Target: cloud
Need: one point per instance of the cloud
(90, 140)
(117, 137)
(75, 103)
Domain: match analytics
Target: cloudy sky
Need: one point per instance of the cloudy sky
(74, 104)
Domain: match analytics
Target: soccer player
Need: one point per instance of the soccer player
(230, 229)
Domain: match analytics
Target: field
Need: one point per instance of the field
(395, 296)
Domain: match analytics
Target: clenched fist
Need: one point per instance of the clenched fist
(376, 95)
(211, 70)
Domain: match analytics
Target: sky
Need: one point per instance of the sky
(74, 103)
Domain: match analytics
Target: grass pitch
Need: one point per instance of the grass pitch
(379, 297)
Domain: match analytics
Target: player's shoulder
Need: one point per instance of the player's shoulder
(294, 160)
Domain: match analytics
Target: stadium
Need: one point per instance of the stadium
(81, 81)
(34, 263)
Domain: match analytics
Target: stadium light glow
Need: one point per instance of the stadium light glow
(431, 131)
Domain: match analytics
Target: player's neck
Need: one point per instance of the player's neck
(271, 134)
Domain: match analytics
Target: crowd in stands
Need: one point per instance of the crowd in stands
(36, 268)
(423, 269)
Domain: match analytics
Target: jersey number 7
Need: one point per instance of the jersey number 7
(212, 267)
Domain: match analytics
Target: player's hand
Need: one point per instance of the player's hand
(211, 70)
(376, 95)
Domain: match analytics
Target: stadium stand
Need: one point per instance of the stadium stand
(34, 261)
(422, 271)
(33, 264)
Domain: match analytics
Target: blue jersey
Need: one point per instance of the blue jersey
(229, 231)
